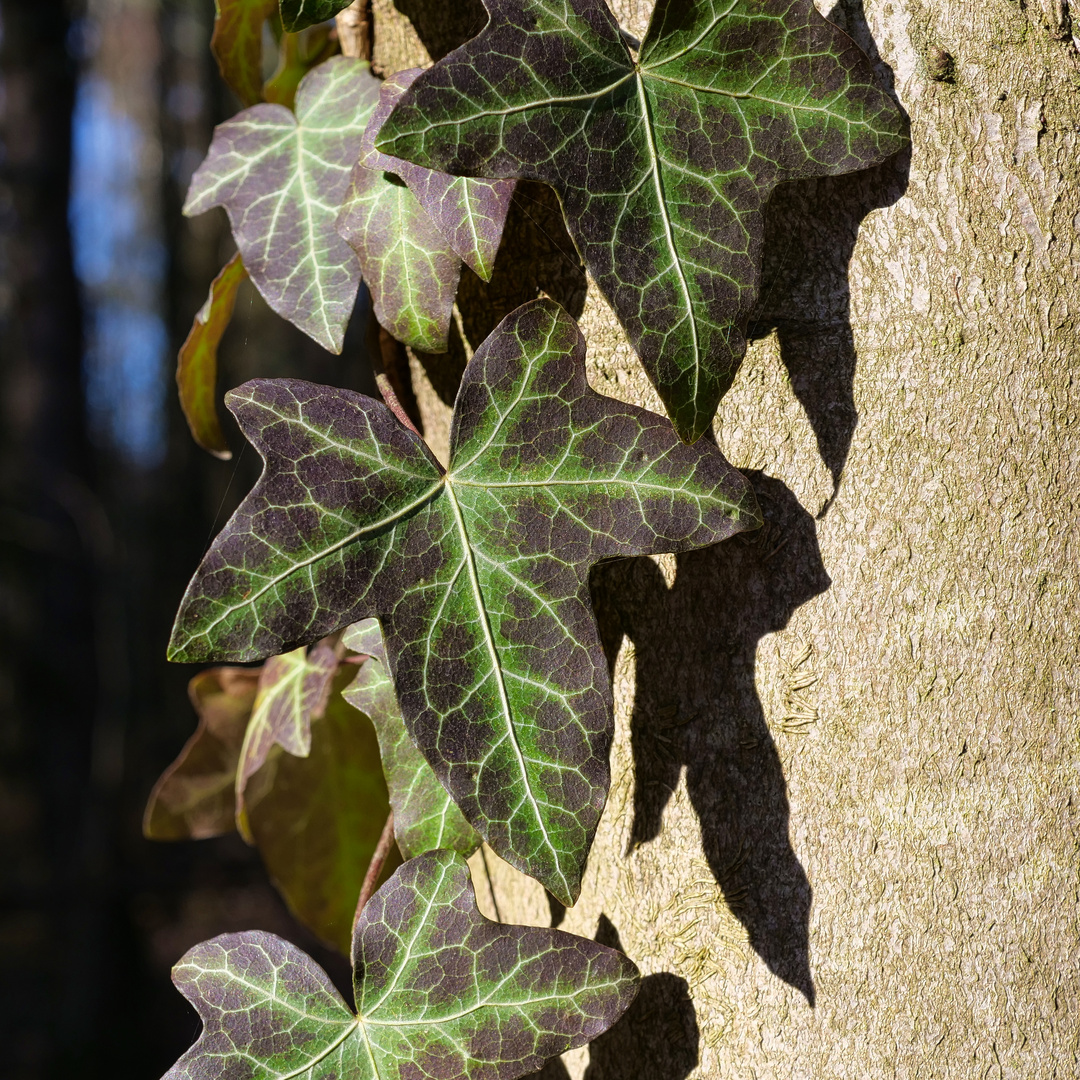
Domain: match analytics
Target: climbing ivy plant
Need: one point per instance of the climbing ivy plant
(433, 672)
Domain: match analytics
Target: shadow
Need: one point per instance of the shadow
(696, 708)
(656, 1039)
(810, 231)
(536, 256)
(443, 27)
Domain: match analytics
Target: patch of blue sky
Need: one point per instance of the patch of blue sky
(120, 259)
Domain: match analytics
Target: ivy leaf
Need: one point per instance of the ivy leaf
(193, 799)
(300, 14)
(237, 44)
(292, 688)
(469, 213)
(196, 367)
(425, 817)
(410, 270)
(281, 177)
(410, 259)
(441, 992)
(316, 820)
(479, 575)
(366, 638)
(662, 163)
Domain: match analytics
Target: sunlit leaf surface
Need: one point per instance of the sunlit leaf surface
(469, 213)
(441, 993)
(281, 177)
(479, 575)
(662, 161)
(425, 817)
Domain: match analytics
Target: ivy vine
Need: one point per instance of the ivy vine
(431, 655)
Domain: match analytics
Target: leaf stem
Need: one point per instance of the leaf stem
(382, 380)
(378, 859)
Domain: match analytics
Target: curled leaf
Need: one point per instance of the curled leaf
(663, 161)
(293, 688)
(281, 177)
(316, 819)
(196, 367)
(425, 817)
(479, 575)
(237, 44)
(193, 799)
(440, 992)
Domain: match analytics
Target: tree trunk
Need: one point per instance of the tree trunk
(841, 839)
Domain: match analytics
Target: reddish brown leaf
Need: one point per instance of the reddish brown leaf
(196, 366)
(237, 44)
(193, 799)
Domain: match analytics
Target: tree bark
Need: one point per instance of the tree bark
(841, 839)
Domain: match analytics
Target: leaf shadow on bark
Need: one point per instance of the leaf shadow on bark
(656, 1039)
(696, 708)
(534, 225)
(443, 27)
(810, 231)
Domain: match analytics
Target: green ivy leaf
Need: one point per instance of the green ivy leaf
(299, 14)
(441, 992)
(237, 44)
(411, 265)
(194, 799)
(469, 213)
(663, 163)
(281, 178)
(479, 575)
(425, 817)
(316, 820)
(293, 688)
(196, 366)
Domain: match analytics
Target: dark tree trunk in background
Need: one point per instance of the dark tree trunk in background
(51, 537)
(95, 551)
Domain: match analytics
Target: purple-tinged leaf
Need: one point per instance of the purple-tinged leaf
(662, 162)
(469, 213)
(479, 575)
(193, 799)
(410, 271)
(237, 44)
(196, 366)
(425, 817)
(317, 819)
(441, 992)
(298, 14)
(281, 178)
(293, 688)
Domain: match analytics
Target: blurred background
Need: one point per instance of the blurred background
(106, 506)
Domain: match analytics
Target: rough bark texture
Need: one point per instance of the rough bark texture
(841, 839)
